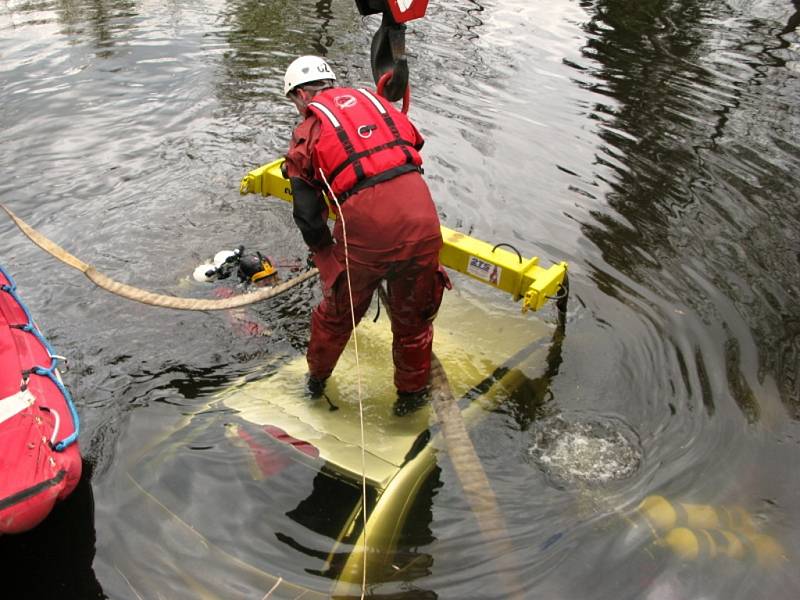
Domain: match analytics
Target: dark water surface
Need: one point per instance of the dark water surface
(652, 145)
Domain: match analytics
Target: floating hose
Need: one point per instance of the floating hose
(150, 298)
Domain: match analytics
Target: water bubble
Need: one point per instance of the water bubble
(595, 451)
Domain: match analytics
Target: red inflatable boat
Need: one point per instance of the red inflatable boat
(40, 462)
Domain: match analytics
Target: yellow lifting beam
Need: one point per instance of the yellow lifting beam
(493, 265)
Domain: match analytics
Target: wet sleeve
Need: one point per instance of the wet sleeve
(308, 208)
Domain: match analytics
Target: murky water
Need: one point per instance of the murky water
(653, 146)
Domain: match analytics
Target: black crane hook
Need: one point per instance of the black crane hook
(388, 56)
(388, 50)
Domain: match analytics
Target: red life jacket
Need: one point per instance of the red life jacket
(363, 140)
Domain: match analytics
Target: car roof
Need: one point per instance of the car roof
(469, 355)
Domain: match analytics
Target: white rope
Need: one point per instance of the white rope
(358, 379)
(274, 587)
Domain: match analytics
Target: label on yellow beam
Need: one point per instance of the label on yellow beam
(483, 270)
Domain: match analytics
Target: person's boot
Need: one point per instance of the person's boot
(315, 387)
(409, 402)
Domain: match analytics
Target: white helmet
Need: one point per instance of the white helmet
(304, 70)
(221, 257)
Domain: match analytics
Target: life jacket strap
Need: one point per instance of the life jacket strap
(379, 178)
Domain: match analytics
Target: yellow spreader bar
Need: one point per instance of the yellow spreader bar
(490, 264)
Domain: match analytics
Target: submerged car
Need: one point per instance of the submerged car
(263, 488)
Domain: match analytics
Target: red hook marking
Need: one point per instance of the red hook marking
(406, 95)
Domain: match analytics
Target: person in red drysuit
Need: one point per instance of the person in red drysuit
(368, 152)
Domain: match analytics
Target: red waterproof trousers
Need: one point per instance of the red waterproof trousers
(415, 287)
